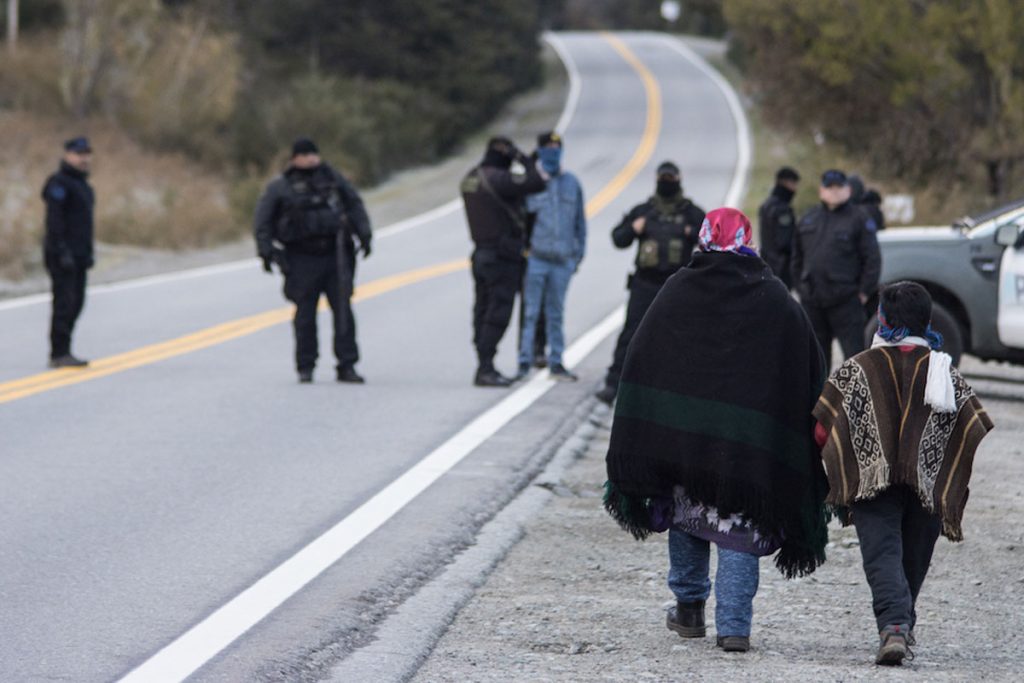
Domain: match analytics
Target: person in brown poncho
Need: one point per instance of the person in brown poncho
(899, 428)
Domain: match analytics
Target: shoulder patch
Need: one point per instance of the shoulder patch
(470, 184)
(871, 225)
(56, 192)
(785, 218)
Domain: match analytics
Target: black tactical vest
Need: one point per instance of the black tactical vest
(313, 208)
(667, 241)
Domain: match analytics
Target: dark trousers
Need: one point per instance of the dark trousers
(308, 277)
(641, 295)
(496, 281)
(897, 537)
(843, 321)
(68, 301)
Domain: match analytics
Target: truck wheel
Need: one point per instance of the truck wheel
(942, 322)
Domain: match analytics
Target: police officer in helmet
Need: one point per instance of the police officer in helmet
(666, 228)
(306, 222)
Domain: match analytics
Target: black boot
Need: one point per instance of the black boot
(491, 378)
(687, 619)
(348, 374)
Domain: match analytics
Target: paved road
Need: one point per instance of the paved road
(138, 502)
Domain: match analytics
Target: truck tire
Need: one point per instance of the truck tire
(942, 322)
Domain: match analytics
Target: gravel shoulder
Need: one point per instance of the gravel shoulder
(577, 599)
(405, 194)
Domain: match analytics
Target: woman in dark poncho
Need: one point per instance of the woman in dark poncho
(713, 435)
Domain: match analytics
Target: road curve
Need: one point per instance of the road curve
(139, 502)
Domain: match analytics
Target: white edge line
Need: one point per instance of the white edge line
(743, 154)
(190, 651)
(572, 100)
(404, 225)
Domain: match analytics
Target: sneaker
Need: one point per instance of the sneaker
(349, 375)
(491, 378)
(305, 376)
(687, 619)
(733, 643)
(559, 372)
(892, 647)
(68, 361)
(606, 395)
(524, 372)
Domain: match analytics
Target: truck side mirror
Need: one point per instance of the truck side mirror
(1006, 235)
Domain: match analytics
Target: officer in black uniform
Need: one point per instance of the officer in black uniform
(667, 227)
(494, 193)
(305, 223)
(777, 222)
(67, 246)
(836, 265)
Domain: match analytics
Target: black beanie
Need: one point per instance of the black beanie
(304, 146)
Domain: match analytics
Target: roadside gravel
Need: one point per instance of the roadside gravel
(578, 600)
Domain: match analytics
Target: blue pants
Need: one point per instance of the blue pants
(546, 282)
(735, 584)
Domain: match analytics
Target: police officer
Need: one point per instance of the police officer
(305, 223)
(666, 228)
(836, 265)
(494, 193)
(67, 246)
(777, 222)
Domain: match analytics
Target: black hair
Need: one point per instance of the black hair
(786, 173)
(907, 305)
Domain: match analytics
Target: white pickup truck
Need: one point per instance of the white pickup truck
(974, 271)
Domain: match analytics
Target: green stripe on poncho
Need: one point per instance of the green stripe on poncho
(716, 396)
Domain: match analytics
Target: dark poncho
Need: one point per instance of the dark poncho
(716, 396)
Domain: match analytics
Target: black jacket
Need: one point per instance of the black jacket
(279, 197)
(777, 224)
(835, 255)
(494, 199)
(674, 223)
(70, 202)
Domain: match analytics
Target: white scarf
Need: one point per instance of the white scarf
(938, 392)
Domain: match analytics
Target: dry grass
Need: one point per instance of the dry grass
(143, 198)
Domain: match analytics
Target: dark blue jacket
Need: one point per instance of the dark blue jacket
(69, 216)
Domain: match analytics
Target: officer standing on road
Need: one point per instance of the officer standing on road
(777, 222)
(494, 194)
(666, 226)
(836, 266)
(314, 212)
(67, 246)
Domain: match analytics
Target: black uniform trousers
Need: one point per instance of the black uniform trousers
(309, 276)
(68, 301)
(641, 295)
(897, 537)
(843, 321)
(496, 282)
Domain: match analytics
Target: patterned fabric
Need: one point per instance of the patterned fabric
(726, 230)
(881, 433)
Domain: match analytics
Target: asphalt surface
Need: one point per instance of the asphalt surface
(135, 504)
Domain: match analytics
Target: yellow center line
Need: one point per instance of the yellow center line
(218, 334)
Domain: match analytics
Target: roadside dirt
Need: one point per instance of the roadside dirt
(579, 600)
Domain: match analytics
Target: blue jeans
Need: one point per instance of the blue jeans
(735, 584)
(547, 282)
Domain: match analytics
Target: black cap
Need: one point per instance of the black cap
(833, 177)
(787, 173)
(668, 168)
(548, 138)
(304, 146)
(79, 145)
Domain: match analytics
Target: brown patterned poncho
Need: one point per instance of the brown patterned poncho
(881, 432)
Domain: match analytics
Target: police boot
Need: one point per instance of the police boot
(305, 376)
(687, 619)
(606, 395)
(349, 375)
(489, 377)
(67, 361)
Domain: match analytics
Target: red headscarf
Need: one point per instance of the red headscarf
(726, 229)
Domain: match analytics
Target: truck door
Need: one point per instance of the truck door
(1011, 297)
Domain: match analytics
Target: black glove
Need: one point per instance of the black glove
(364, 246)
(66, 260)
(268, 260)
